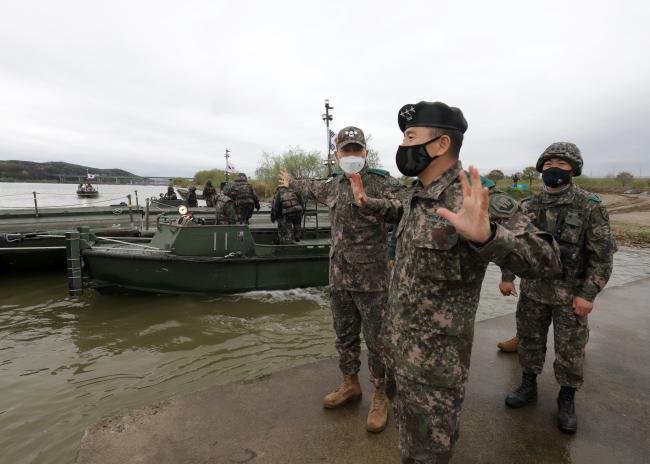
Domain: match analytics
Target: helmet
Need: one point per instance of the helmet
(241, 176)
(566, 151)
(192, 188)
(170, 189)
(209, 183)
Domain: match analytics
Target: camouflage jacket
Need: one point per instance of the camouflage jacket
(224, 209)
(242, 194)
(359, 249)
(580, 224)
(435, 286)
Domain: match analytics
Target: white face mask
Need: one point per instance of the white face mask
(352, 164)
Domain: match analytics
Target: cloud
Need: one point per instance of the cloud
(163, 88)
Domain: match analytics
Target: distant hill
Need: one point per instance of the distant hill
(29, 171)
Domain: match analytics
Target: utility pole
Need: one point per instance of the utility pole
(327, 117)
(227, 155)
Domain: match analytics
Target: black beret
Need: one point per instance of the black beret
(428, 114)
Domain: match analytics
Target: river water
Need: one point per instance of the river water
(20, 194)
(67, 362)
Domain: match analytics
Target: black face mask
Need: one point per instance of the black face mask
(556, 177)
(413, 159)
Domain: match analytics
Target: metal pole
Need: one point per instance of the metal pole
(130, 209)
(73, 253)
(35, 204)
(146, 216)
(137, 203)
(327, 117)
(227, 155)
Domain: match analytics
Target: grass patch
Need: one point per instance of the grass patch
(631, 234)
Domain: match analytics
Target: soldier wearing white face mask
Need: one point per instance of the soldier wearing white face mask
(358, 269)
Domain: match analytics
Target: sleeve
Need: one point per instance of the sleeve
(389, 205)
(308, 189)
(507, 276)
(599, 249)
(256, 200)
(230, 212)
(274, 203)
(520, 248)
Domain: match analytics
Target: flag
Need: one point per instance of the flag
(229, 167)
(332, 141)
(91, 176)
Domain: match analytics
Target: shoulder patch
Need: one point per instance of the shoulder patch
(502, 205)
(595, 198)
(379, 172)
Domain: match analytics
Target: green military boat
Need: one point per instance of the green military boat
(188, 258)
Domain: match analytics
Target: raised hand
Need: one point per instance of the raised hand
(358, 191)
(284, 178)
(472, 220)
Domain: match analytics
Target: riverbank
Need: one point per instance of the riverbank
(279, 418)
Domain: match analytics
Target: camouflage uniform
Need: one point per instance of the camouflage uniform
(358, 265)
(191, 198)
(209, 193)
(224, 209)
(580, 225)
(244, 197)
(433, 297)
(287, 208)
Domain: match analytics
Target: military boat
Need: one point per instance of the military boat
(86, 190)
(185, 257)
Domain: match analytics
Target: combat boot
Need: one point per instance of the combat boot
(378, 414)
(566, 410)
(349, 390)
(526, 393)
(509, 346)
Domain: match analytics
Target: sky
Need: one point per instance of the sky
(162, 88)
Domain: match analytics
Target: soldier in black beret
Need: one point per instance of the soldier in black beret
(449, 229)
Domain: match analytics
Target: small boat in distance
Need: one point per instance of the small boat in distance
(86, 190)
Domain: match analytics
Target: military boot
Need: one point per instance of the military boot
(526, 393)
(349, 390)
(509, 346)
(378, 414)
(566, 411)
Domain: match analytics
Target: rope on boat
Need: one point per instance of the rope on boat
(130, 243)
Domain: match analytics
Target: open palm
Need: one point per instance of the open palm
(472, 220)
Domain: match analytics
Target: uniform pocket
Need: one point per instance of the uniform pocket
(437, 252)
(572, 228)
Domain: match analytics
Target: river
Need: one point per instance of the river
(66, 362)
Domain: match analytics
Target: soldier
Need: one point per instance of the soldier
(358, 270)
(170, 195)
(244, 197)
(192, 201)
(448, 232)
(224, 208)
(580, 225)
(209, 193)
(287, 208)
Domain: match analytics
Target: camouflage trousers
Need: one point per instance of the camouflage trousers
(428, 418)
(289, 229)
(353, 312)
(570, 334)
(244, 213)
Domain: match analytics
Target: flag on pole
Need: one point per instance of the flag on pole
(332, 141)
(91, 176)
(229, 167)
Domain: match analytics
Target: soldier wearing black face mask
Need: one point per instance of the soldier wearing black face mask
(580, 225)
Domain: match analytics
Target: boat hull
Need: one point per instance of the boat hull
(164, 273)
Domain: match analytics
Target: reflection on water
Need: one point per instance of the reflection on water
(64, 363)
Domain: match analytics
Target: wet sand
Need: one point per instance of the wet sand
(279, 418)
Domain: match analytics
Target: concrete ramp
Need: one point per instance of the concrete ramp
(280, 419)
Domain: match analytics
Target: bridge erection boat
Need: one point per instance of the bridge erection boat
(184, 257)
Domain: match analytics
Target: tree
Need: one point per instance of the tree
(531, 174)
(298, 162)
(625, 177)
(495, 175)
(216, 175)
(373, 159)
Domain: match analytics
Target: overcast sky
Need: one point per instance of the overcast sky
(162, 87)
